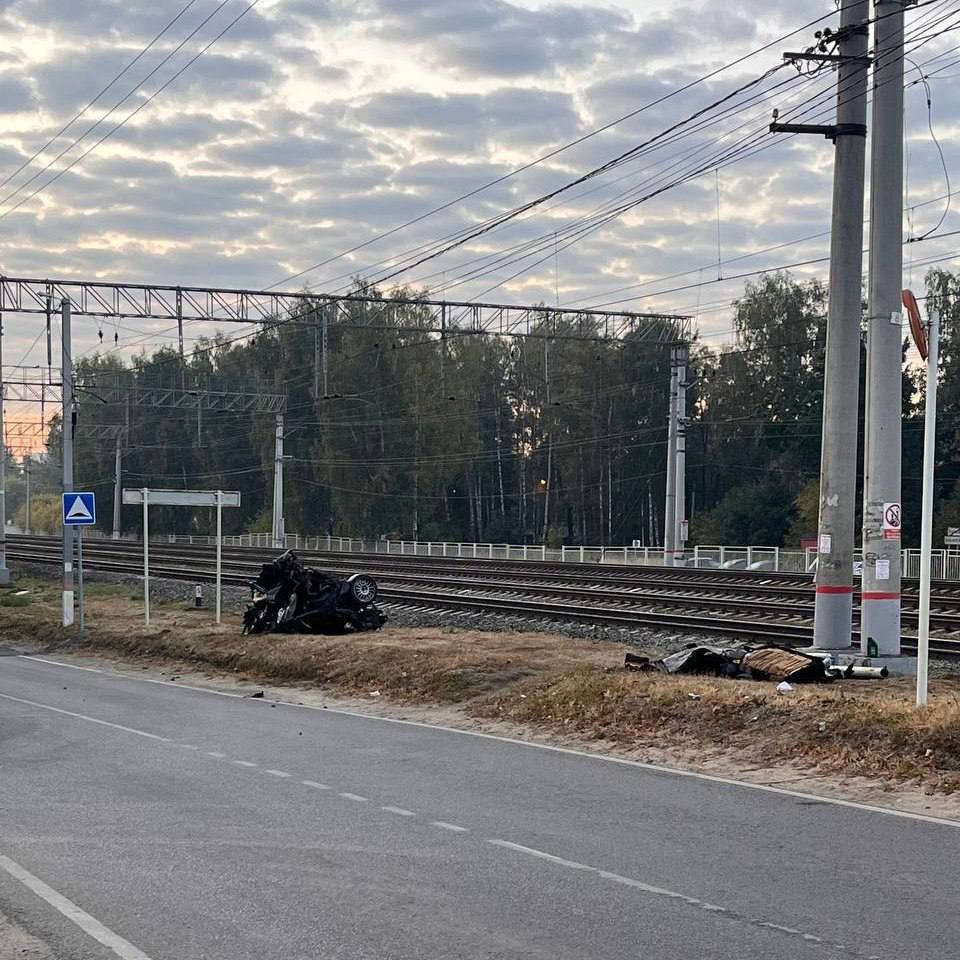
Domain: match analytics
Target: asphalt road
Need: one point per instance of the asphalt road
(148, 820)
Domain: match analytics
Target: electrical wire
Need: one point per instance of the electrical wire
(78, 116)
(145, 103)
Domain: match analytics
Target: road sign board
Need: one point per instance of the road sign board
(182, 498)
(79, 509)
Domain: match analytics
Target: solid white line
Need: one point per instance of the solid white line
(353, 796)
(399, 811)
(314, 784)
(443, 825)
(278, 773)
(89, 925)
(532, 744)
(81, 716)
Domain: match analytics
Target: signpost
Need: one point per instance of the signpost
(79, 510)
(926, 337)
(178, 498)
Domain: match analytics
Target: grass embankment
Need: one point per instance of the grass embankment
(557, 684)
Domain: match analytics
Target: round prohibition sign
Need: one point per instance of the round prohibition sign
(892, 516)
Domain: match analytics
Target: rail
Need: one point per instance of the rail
(945, 564)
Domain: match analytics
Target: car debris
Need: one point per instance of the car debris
(289, 597)
(754, 662)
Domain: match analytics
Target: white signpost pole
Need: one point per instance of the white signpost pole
(146, 556)
(80, 575)
(926, 516)
(219, 543)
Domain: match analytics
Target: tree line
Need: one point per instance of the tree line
(556, 437)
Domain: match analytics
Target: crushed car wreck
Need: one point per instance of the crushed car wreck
(288, 597)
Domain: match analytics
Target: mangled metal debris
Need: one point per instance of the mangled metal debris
(754, 662)
(288, 597)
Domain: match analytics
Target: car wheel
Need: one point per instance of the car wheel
(363, 589)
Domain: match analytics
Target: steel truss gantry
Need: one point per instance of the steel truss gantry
(106, 300)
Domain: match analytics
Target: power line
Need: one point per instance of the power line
(133, 113)
(90, 103)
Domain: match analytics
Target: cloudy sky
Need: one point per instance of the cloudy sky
(314, 126)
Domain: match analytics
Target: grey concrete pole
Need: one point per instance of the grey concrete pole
(66, 375)
(277, 526)
(117, 487)
(4, 572)
(670, 504)
(880, 610)
(27, 462)
(680, 537)
(838, 458)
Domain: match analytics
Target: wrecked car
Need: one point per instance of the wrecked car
(288, 597)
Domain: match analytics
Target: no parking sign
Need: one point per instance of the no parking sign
(891, 521)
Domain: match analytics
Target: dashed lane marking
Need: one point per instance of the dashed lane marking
(353, 796)
(452, 827)
(315, 785)
(399, 811)
(278, 773)
(246, 763)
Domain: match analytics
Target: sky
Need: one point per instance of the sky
(314, 126)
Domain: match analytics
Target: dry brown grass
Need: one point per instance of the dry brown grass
(558, 684)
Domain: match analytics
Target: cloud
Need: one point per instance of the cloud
(497, 38)
(315, 125)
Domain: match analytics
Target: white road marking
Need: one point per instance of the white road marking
(246, 763)
(314, 784)
(82, 716)
(278, 773)
(665, 893)
(218, 756)
(399, 811)
(89, 925)
(188, 746)
(353, 796)
(530, 744)
(443, 825)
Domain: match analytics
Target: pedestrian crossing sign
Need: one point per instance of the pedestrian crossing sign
(79, 509)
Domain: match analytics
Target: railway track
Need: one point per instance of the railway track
(735, 603)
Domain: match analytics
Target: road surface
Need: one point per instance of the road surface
(150, 821)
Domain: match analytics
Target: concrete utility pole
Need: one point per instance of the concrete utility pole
(680, 482)
(277, 534)
(117, 487)
(838, 458)
(27, 463)
(66, 371)
(4, 572)
(670, 505)
(880, 616)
